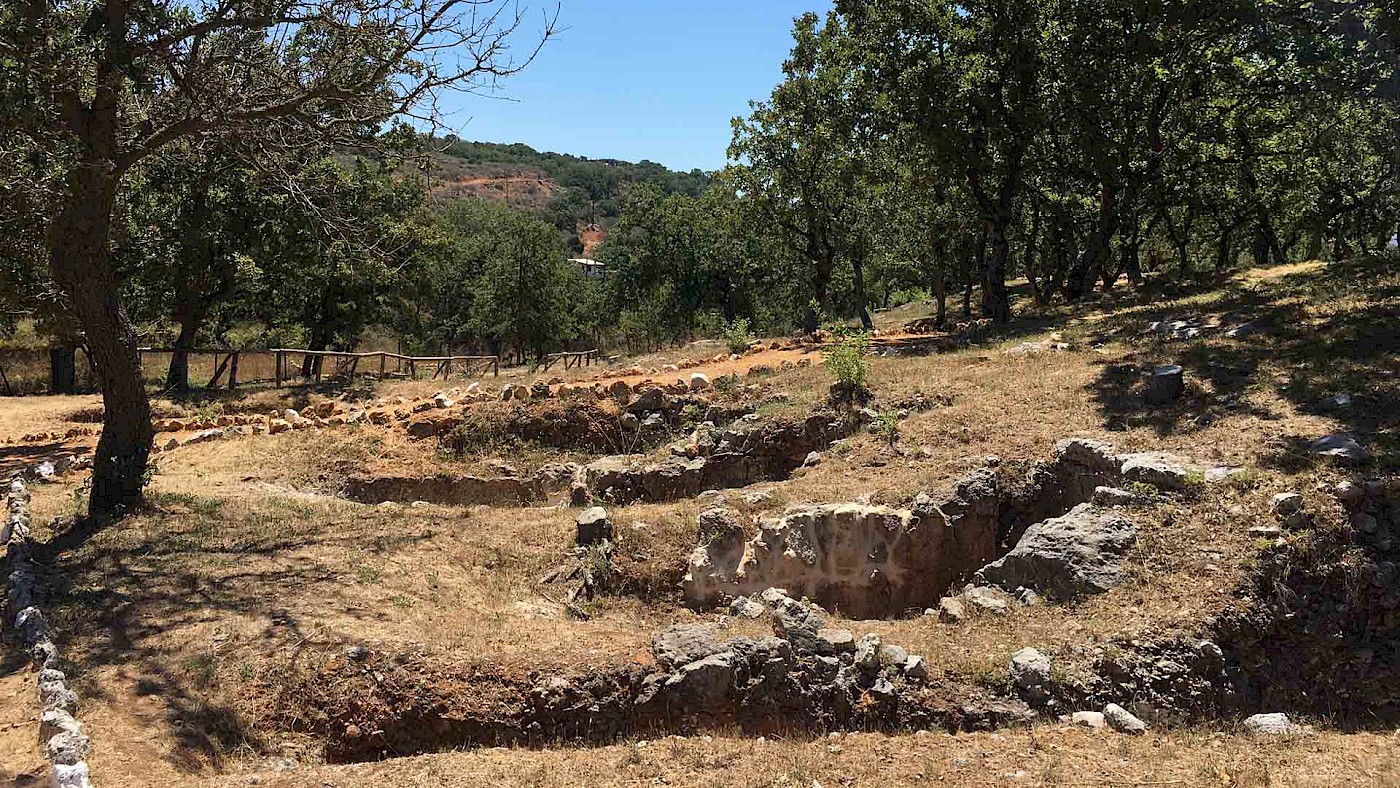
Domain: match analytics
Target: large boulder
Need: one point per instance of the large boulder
(1067, 557)
(680, 644)
(1083, 465)
(714, 563)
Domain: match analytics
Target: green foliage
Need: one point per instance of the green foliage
(504, 282)
(887, 426)
(737, 336)
(846, 360)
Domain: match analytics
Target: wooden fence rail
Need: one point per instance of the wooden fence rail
(582, 358)
(348, 364)
(226, 364)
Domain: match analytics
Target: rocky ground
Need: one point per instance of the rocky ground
(1146, 542)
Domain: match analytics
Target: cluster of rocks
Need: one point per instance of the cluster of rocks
(69, 434)
(806, 675)
(1193, 327)
(49, 471)
(1373, 508)
(64, 743)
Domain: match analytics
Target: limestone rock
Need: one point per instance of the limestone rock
(1114, 496)
(1274, 724)
(867, 653)
(840, 640)
(1163, 471)
(705, 684)
(986, 599)
(1123, 721)
(647, 401)
(1285, 504)
(593, 527)
(1089, 719)
(1030, 672)
(951, 610)
(1341, 448)
(800, 624)
(680, 644)
(1067, 557)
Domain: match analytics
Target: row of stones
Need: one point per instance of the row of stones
(65, 745)
(1031, 675)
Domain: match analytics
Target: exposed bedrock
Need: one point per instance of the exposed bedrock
(1038, 530)
(867, 561)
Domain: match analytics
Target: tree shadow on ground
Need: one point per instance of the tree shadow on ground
(1309, 337)
(115, 598)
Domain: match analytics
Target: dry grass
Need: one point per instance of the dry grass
(1044, 756)
(174, 618)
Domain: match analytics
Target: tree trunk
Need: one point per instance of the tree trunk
(1223, 252)
(1088, 267)
(968, 270)
(940, 294)
(190, 301)
(996, 300)
(820, 282)
(858, 269)
(80, 259)
(177, 377)
(1132, 263)
(1314, 250)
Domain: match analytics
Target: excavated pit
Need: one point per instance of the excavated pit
(997, 527)
(1042, 530)
(713, 459)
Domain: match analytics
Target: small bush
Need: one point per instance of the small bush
(887, 426)
(846, 361)
(737, 336)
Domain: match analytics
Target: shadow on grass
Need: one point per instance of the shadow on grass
(116, 595)
(1308, 336)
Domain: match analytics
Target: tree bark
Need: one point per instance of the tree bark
(858, 269)
(190, 303)
(940, 294)
(821, 281)
(80, 259)
(996, 300)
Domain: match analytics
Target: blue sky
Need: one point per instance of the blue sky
(640, 79)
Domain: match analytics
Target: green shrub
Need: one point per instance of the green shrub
(846, 360)
(737, 336)
(887, 426)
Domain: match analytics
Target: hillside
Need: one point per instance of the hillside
(568, 190)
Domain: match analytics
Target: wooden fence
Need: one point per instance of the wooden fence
(583, 358)
(231, 368)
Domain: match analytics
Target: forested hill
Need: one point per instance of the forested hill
(566, 189)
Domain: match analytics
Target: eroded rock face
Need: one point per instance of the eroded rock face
(1067, 557)
(864, 560)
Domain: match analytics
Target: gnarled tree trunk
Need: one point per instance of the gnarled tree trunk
(80, 259)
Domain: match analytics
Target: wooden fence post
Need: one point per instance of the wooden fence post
(233, 372)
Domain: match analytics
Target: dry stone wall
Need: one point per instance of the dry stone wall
(65, 745)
